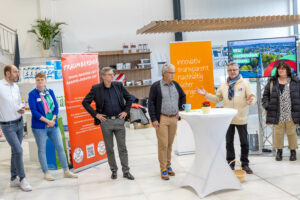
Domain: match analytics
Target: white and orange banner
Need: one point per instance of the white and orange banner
(194, 68)
(80, 73)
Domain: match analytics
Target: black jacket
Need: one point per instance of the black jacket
(96, 95)
(272, 102)
(155, 100)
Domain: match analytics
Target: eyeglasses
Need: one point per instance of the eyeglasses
(110, 74)
(232, 70)
(281, 68)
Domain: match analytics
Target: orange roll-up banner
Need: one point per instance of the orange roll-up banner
(80, 73)
(194, 68)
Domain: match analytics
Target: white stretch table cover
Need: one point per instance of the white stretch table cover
(210, 171)
(184, 140)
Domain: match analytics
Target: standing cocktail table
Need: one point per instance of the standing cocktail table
(210, 171)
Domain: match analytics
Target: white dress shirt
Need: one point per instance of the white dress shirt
(10, 101)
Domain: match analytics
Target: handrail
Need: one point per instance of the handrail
(12, 30)
(7, 40)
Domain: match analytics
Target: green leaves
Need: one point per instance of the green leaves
(46, 31)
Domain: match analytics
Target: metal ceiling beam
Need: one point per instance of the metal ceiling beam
(177, 16)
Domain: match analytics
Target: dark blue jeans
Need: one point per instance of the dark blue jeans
(14, 136)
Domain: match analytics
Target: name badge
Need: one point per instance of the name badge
(38, 99)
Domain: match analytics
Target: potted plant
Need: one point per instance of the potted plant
(206, 107)
(46, 33)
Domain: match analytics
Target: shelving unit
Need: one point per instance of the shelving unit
(109, 58)
(133, 86)
(124, 70)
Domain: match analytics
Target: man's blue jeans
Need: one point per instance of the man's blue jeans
(54, 135)
(14, 135)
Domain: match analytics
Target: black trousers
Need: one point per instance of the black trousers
(243, 133)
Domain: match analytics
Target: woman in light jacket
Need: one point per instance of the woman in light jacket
(281, 99)
(44, 109)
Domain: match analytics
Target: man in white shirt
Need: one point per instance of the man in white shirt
(11, 122)
(2, 139)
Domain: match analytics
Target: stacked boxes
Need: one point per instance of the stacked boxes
(52, 69)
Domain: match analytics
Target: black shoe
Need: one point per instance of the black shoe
(128, 176)
(279, 155)
(293, 155)
(114, 175)
(247, 169)
(232, 167)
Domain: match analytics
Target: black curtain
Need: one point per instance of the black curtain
(17, 53)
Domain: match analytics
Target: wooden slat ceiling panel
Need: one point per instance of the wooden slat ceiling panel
(171, 26)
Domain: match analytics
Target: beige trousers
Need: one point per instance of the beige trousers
(165, 137)
(289, 128)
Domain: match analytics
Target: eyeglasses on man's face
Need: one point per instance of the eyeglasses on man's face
(232, 70)
(110, 74)
(172, 73)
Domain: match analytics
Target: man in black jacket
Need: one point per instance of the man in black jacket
(111, 111)
(165, 100)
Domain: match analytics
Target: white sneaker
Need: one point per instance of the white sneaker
(15, 182)
(48, 177)
(25, 186)
(69, 174)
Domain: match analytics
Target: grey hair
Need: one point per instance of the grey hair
(104, 70)
(165, 68)
(233, 64)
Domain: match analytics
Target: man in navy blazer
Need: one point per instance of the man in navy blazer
(113, 103)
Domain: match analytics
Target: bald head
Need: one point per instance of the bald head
(7, 68)
(11, 73)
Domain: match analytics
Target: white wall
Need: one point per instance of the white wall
(194, 9)
(106, 25)
(20, 14)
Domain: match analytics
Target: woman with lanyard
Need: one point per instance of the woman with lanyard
(44, 109)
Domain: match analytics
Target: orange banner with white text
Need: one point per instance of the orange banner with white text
(194, 68)
(80, 73)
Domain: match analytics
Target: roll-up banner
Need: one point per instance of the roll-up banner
(80, 73)
(194, 68)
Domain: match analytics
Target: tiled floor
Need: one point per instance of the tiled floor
(271, 180)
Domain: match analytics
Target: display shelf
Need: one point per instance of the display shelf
(120, 53)
(28, 112)
(111, 58)
(140, 69)
(133, 86)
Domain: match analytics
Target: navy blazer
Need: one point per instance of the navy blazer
(37, 108)
(96, 94)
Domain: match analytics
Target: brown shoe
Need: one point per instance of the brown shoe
(247, 169)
